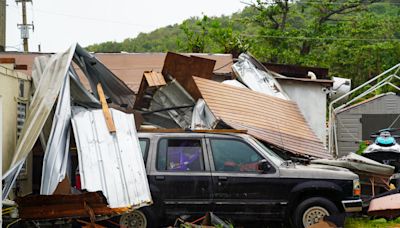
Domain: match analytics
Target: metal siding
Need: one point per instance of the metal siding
(42, 102)
(111, 163)
(56, 157)
(347, 147)
(173, 95)
(382, 104)
(349, 133)
(270, 119)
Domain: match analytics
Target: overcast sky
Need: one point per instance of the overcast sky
(59, 23)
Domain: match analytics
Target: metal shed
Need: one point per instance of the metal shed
(357, 122)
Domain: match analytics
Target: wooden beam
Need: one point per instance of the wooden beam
(7, 60)
(106, 110)
(179, 130)
(21, 67)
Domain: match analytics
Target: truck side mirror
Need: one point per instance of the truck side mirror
(263, 166)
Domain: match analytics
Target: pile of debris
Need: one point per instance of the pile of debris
(111, 179)
(184, 96)
(101, 122)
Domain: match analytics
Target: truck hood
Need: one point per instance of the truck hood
(317, 172)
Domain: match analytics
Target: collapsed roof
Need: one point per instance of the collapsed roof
(117, 174)
(265, 113)
(270, 119)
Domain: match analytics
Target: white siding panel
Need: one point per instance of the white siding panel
(349, 131)
(111, 162)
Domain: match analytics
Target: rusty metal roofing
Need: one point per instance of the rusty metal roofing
(37, 207)
(129, 67)
(273, 120)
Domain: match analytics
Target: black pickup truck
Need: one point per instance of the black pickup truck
(237, 177)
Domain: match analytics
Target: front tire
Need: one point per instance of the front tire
(142, 218)
(312, 210)
(134, 219)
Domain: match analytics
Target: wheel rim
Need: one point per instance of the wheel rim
(313, 215)
(135, 219)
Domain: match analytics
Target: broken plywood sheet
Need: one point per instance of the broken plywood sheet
(182, 68)
(110, 162)
(152, 80)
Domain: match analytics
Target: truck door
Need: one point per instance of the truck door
(181, 176)
(239, 189)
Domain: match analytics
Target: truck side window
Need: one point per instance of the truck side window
(180, 155)
(234, 156)
(144, 147)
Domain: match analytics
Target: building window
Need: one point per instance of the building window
(21, 92)
(21, 116)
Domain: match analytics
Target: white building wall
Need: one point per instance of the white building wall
(1, 155)
(10, 91)
(311, 100)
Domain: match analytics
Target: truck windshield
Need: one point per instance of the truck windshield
(271, 155)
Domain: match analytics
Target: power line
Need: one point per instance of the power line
(328, 3)
(347, 3)
(322, 38)
(314, 38)
(87, 18)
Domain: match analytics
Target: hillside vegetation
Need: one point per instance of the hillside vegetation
(356, 39)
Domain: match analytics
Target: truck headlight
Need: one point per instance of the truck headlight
(356, 187)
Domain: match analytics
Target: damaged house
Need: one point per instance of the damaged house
(108, 177)
(82, 124)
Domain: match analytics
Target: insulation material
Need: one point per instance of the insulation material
(202, 117)
(256, 79)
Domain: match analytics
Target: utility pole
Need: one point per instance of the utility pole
(3, 4)
(24, 27)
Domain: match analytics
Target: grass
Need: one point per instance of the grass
(372, 223)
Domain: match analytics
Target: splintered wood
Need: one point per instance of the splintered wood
(106, 110)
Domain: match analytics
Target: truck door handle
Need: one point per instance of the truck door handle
(222, 178)
(160, 178)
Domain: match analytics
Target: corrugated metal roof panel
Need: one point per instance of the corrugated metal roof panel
(56, 156)
(270, 119)
(110, 162)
